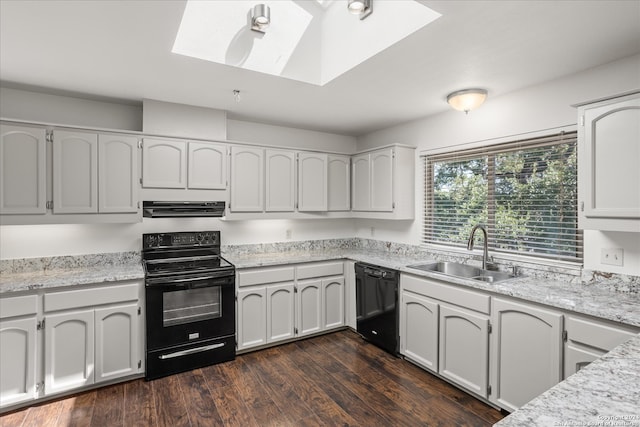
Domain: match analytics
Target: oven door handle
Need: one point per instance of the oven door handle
(193, 279)
(190, 351)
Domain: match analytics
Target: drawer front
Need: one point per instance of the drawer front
(322, 269)
(18, 306)
(597, 334)
(472, 300)
(90, 297)
(261, 276)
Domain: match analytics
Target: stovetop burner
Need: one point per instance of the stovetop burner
(168, 254)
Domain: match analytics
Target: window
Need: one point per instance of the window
(524, 192)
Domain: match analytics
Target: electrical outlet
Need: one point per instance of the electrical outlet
(612, 256)
(288, 234)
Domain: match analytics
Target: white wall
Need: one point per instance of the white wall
(29, 241)
(179, 120)
(259, 133)
(67, 110)
(530, 110)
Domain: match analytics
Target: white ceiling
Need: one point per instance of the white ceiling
(122, 50)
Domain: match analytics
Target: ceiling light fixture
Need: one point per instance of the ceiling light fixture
(260, 18)
(360, 7)
(467, 99)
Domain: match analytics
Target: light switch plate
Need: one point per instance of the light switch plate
(612, 256)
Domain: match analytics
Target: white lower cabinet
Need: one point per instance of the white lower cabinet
(56, 342)
(19, 349)
(526, 352)
(280, 312)
(445, 329)
(283, 303)
(252, 313)
(588, 339)
(117, 337)
(419, 330)
(464, 349)
(309, 307)
(69, 351)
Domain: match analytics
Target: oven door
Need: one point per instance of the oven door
(188, 309)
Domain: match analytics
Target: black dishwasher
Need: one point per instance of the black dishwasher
(377, 305)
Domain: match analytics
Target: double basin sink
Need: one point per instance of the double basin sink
(463, 271)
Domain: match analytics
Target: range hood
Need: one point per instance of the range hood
(182, 209)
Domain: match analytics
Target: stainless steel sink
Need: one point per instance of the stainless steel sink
(464, 271)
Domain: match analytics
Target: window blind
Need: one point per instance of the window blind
(524, 192)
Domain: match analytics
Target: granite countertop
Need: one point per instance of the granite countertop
(604, 393)
(55, 272)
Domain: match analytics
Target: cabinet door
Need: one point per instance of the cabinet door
(419, 330)
(247, 179)
(338, 191)
(207, 166)
(69, 351)
(117, 174)
(612, 155)
(464, 349)
(309, 307)
(332, 302)
(382, 180)
(280, 181)
(312, 182)
(360, 183)
(576, 358)
(280, 312)
(117, 340)
(526, 352)
(23, 179)
(75, 172)
(252, 315)
(164, 163)
(17, 361)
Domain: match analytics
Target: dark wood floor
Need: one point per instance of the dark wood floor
(335, 379)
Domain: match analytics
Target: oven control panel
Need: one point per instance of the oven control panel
(181, 239)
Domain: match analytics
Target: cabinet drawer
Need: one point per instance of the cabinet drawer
(90, 297)
(462, 297)
(596, 334)
(18, 306)
(260, 276)
(320, 270)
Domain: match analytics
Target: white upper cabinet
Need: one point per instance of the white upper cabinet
(312, 182)
(207, 166)
(381, 164)
(280, 181)
(361, 183)
(339, 184)
(75, 172)
(608, 159)
(247, 179)
(164, 163)
(382, 183)
(117, 174)
(23, 180)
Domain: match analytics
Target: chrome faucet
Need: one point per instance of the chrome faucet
(485, 253)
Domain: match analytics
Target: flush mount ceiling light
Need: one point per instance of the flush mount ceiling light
(361, 7)
(260, 18)
(467, 99)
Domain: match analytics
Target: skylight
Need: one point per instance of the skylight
(310, 44)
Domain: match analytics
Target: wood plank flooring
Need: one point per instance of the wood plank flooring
(332, 380)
